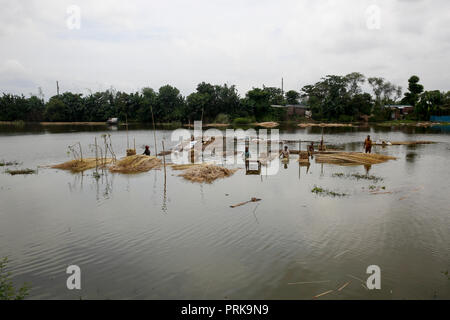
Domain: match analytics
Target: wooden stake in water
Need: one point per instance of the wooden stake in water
(81, 151)
(126, 123)
(154, 130)
(164, 159)
(96, 156)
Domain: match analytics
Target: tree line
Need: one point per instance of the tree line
(333, 98)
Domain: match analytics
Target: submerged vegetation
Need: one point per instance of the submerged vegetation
(7, 288)
(332, 98)
(358, 176)
(8, 163)
(445, 273)
(21, 171)
(325, 192)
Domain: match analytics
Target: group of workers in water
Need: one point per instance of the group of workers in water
(284, 154)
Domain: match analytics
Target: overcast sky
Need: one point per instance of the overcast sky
(134, 44)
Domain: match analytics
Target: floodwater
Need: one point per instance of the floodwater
(143, 237)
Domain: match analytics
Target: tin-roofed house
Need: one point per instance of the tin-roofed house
(295, 110)
(399, 112)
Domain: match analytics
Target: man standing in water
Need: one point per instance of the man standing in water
(247, 158)
(311, 150)
(368, 145)
(285, 153)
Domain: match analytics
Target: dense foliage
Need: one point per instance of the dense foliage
(333, 98)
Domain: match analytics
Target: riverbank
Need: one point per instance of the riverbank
(411, 123)
(300, 124)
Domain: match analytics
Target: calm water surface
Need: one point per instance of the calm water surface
(132, 240)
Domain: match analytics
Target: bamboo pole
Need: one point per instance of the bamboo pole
(81, 151)
(106, 148)
(96, 155)
(126, 123)
(164, 161)
(154, 130)
(164, 157)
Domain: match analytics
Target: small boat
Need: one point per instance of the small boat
(112, 121)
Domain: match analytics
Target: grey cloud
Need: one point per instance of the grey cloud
(132, 44)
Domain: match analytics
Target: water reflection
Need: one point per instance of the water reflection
(103, 183)
(411, 157)
(130, 248)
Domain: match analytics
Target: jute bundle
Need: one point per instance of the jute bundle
(207, 173)
(135, 164)
(352, 158)
(82, 165)
(184, 166)
(131, 152)
(268, 124)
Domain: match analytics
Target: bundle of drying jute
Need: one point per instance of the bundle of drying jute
(352, 158)
(80, 165)
(135, 164)
(206, 173)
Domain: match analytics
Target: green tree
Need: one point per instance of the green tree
(17, 107)
(378, 86)
(414, 91)
(149, 102)
(292, 97)
(169, 104)
(354, 82)
(56, 110)
(429, 104)
(258, 102)
(35, 109)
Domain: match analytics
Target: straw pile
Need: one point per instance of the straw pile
(303, 162)
(303, 155)
(184, 166)
(80, 165)
(135, 164)
(352, 158)
(207, 173)
(131, 152)
(267, 124)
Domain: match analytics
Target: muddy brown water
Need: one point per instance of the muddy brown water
(134, 240)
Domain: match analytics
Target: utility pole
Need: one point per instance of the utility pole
(57, 88)
(282, 86)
